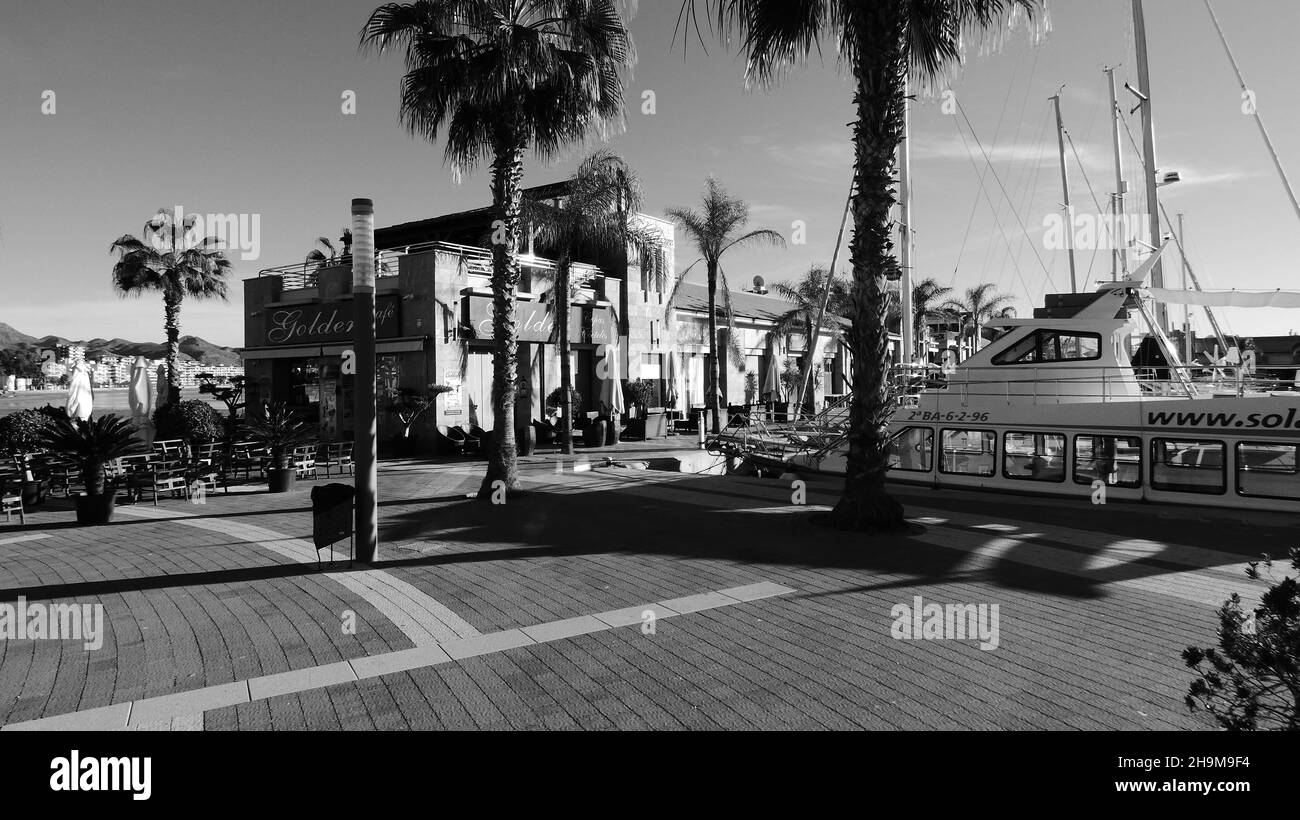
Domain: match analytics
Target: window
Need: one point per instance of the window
(1052, 346)
(1115, 460)
(968, 452)
(1033, 456)
(1267, 470)
(912, 450)
(1188, 465)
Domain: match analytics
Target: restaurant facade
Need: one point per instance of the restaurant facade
(434, 327)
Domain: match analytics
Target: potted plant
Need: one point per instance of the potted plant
(409, 404)
(641, 394)
(91, 444)
(279, 431)
(554, 408)
(751, 386)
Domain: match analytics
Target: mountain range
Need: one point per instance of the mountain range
(192, 347)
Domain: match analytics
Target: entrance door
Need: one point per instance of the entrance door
(477, 388)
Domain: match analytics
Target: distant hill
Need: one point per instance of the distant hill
(192, 347)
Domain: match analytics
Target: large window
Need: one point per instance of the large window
(968, 452)
(1114, 460)
(1188, 465)
(1033, 456)
(1267, 470)
(912, 450)
(1052, 346)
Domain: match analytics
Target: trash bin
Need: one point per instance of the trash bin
(332, 517)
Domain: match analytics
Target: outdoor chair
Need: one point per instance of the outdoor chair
(155, 476)
(11, 501)
(336, 454)
(546, 432)
(212, 464)
(245, 457)
(475, 439)
(304, 461)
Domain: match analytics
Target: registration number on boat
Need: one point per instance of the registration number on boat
(955, 415)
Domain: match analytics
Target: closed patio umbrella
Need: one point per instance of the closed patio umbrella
(671, 379)
(772, 384)
(140, 398)
(81, 398)
(611, 386)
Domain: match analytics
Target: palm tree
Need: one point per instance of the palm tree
(807, 295)
(592, 217)
(925, 295)
(328, 253)
(978, 306)
(715, 230)
(882, 43)
(172, 263)
(498, 78)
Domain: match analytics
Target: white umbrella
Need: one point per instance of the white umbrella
(140, 397)
(611, 386)
(672, 379)
(81, 398)
(772, 384)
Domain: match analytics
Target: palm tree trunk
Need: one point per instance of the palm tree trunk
(880, 69)
(172, 325)
(566, 369)
(713, 382)
(507, 171)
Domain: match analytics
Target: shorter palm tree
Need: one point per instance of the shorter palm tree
(170, 262)
(977, 306)
(330, 254)
(91, 444)
(716, 229)
(807, 295)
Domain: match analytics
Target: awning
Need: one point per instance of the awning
(1228, 298)
(406, 344)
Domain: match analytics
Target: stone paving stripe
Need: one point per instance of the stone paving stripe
(31, 536)
(103, 718)
(165, 707)
(633, 614)
(486, 644)
(300, 680)
(400, 661)
(754, 592)
(568, 628)
(696, 603)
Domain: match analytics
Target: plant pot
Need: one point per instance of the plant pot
(635, 430)
(611, 431)
(281, 480)
(526, 439)
(96, 509)
(593, 435)
(34, 493)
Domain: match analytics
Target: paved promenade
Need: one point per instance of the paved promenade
(611, 597)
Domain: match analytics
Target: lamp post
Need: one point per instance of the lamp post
(366, 452)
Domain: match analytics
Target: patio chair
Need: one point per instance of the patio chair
(451, 440)
(245, 457)
(11, 498)
(304, 461)
(475, 439)
(336, 454)
(157, 476)
(211, 464)
(547, 433)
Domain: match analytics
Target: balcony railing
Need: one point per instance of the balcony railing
(477, 261)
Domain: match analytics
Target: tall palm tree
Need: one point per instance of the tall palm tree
(171, 262)
(592, 217)
(977, 306)
(716, 229)
(807, 295)
(882, 43)
(499, 78)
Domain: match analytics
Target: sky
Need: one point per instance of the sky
(236, 109)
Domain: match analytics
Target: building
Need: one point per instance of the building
(434, 326)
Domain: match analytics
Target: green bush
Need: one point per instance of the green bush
(642, 393)
(23, 432)
(554, 398)
(195, 421)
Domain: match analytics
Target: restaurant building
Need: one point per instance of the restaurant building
(434, 326)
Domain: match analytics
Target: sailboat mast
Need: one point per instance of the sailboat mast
(1065, 191)
(905, 330)
(1187, 311)
(1149, 153)
(1118, 262)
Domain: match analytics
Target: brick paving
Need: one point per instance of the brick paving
(1096, 604)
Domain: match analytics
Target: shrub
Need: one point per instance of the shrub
(23, 432)
(194, 421)
(1252, 680)
(642, 393)
(554, 398)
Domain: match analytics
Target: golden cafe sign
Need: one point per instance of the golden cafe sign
(328, 322)
(535, 321)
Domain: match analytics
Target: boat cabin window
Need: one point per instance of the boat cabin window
(968, 452)
(1115, 460)
(1033, 456)
(1052, 346)
(1188, 465)
(1267, 470)
(912, 449)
